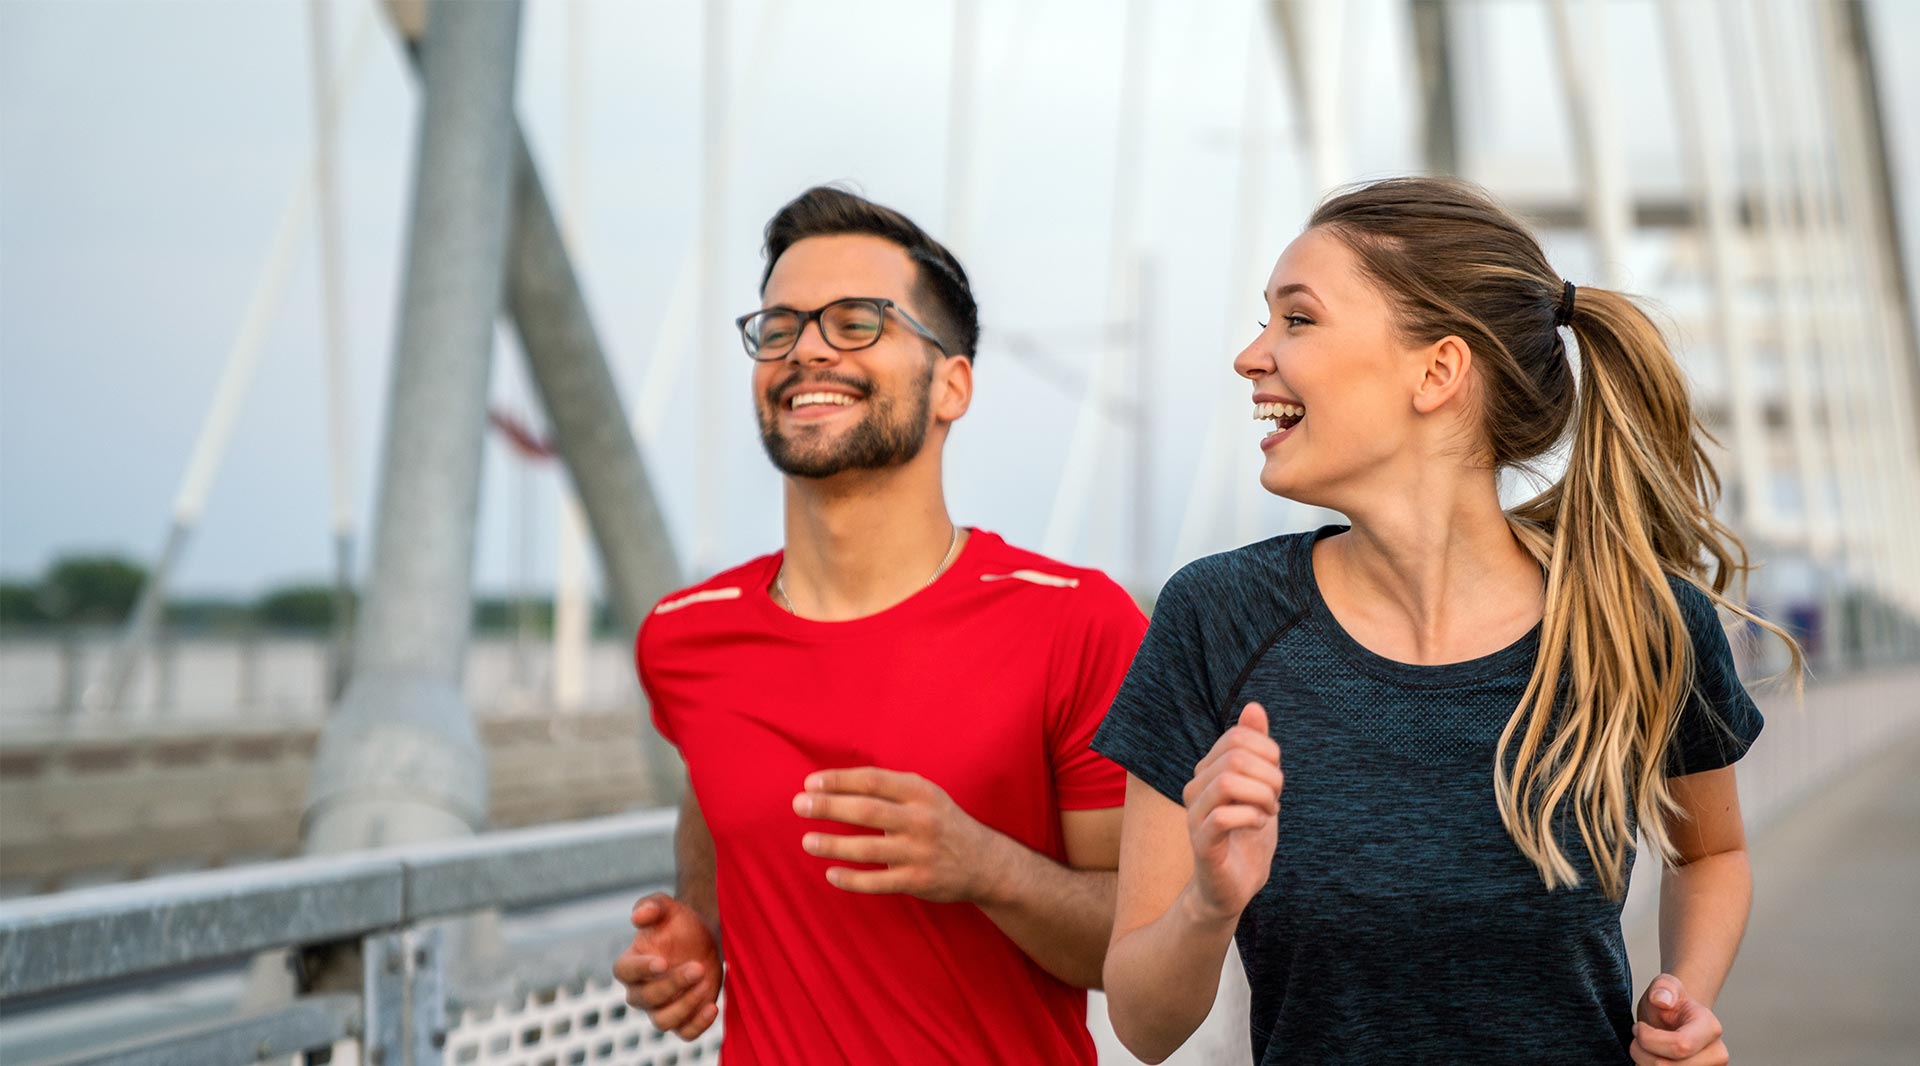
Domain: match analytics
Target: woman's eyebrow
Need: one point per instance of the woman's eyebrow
(1289, 290)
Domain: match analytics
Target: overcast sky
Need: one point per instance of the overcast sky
(148, 149)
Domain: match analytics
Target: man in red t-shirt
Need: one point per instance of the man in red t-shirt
(896, 833)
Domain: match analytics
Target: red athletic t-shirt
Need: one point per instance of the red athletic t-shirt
(990, 683)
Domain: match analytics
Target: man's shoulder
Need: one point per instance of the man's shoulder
(722, 594)
(1041, 579)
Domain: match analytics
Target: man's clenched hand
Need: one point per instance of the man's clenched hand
(672, 969)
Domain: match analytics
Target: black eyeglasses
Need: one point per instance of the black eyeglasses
(846, 325)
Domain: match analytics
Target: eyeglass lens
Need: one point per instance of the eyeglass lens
(847, 325)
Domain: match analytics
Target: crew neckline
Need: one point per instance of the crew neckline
(816, 629)
(1518, 655)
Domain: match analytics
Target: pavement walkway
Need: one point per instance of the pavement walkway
(1829, 974)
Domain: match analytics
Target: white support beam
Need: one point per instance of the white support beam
(1706, 149)
(961, 171)
(572, 587)
(1793, 55)
(1067, 521)
(1846, 117)
(1805, 398)
(708, 333)
(326, 110)
(1220, 485)
(216, 429)
(1581, 40)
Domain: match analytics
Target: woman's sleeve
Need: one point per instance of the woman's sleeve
(1164, 718)
(1719, 722)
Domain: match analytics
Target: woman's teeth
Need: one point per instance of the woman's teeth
(1284, 415)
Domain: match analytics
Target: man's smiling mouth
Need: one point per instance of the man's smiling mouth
(819, 399)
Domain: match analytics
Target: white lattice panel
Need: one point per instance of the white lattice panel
(565, 1027)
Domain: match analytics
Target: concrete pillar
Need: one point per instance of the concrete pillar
(400, 759)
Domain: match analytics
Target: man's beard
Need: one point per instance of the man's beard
(879, 441)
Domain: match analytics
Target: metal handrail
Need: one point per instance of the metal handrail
(311, 1021)
(75, 940)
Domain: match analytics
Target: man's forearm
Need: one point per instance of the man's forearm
(1061, 917)
(694, 878)
(1703, 914)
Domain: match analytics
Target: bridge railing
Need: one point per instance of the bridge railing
(104, 801)
(386, 913)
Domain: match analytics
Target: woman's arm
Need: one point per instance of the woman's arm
(1704, 900)
(1703, 913)
(1186, 873)
(1163, 967)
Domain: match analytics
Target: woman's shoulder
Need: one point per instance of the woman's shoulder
(1697, 608)
(1267, 575)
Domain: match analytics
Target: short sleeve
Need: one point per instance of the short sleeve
(661, 721)
(1091, 657)
(1720, 721)
(1164, 718)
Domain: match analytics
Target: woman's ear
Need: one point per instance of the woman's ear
(1444, 371)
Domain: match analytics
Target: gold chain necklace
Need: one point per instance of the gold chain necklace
(780, 586)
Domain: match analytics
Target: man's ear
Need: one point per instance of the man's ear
(952, 387)
(1445, 366)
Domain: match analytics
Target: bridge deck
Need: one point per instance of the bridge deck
(1832, 958)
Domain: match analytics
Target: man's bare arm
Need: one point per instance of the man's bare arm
(1060, 915)
(673, 968)
(693, 855)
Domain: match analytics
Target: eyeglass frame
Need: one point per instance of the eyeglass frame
(815, 316)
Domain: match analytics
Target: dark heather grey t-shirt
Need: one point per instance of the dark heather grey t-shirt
(1400, 924)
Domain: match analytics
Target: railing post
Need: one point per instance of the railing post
(383, 1000)
(427, 995)
(404, 997)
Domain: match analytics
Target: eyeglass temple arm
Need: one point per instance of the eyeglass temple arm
(918, 328)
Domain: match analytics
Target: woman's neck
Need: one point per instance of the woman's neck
(1435, 577)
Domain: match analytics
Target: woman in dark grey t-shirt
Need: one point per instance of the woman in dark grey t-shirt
(1480, 708)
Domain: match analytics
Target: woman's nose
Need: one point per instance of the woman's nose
(1254, 361)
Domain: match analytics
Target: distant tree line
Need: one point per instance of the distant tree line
(100, 591)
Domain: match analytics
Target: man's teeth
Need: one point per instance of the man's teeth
(808, 399)
(1277, 410)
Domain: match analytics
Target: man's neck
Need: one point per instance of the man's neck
(861, 542)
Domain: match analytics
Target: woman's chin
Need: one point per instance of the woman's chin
(1289, 485)
(1281, 482)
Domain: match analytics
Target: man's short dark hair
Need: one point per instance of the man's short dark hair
(941, 287)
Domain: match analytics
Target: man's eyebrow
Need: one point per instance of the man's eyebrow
(784, 306)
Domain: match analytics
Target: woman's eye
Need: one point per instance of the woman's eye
(1299, 320)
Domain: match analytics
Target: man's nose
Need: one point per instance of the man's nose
(811, 348)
